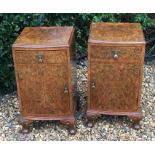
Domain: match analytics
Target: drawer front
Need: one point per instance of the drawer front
(35, 57)
(116, 53)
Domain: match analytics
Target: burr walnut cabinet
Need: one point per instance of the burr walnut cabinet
(43, 67)
(115, 62)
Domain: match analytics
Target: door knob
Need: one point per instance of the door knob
(65, 89)
(115, 54)
(93, 84)
(40, 58)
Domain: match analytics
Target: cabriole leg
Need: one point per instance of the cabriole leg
(71, 125)
(136, 121)
(90, 120)
(25, 125)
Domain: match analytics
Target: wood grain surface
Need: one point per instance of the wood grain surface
(115, 70)
(44, 75)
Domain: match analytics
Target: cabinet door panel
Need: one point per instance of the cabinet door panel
(31, 88)
(42, 90)
(56, 82)
(116, 86)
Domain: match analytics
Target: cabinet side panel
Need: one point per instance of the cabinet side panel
(72, 76)
(17, 80)
(89, 75)
(141, 76)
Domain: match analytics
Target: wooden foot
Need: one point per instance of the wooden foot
(71, 125)
(136, 121)
(90, 120)
(72, 131)
(25, 125)
(90, 124)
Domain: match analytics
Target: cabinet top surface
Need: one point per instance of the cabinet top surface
(40, 37)
(116, 33)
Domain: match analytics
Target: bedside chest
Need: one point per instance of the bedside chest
(115, 62)
(43, 60)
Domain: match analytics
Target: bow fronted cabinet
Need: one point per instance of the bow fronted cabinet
(43, 67)
(115, 62)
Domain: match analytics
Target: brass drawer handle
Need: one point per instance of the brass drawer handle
(65, 89)
(93, 84)
(115, 54)
(40, 58)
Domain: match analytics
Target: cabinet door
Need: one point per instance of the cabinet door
(114, 86)
(44, 89)
(56, 89)
(31, 88)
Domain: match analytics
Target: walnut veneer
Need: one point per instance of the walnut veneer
(43, 60)
(115, 57)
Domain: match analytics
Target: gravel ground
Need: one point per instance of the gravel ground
(106, 127)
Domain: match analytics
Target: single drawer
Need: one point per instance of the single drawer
(116, 53)
(26, 57)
